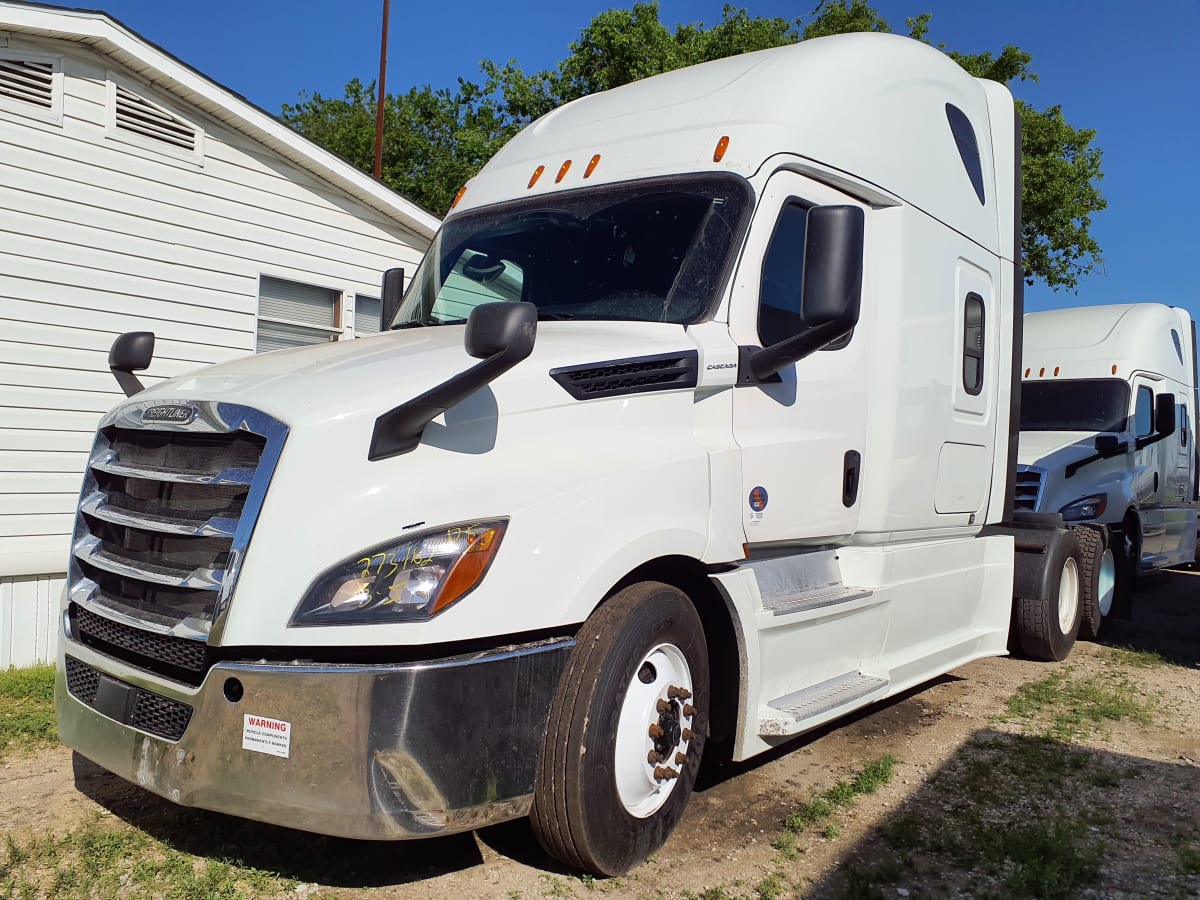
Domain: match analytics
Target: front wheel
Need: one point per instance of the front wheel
(1047, 626)
(1099, 579)
(625, 732)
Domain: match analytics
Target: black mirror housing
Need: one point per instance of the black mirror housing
(1108, 445)
(495, 327)
(131, 352)
(1164, 414)
(390, 295)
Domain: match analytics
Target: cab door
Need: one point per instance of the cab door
(802, 434)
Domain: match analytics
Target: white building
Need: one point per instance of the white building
(136, 194)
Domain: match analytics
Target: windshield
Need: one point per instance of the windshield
(651, 251)
(1099, 405)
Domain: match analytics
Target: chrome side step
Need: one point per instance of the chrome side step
(823, 698)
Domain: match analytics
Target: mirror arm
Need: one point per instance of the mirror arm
(1144, 442)
(759, 364)
(128, 382)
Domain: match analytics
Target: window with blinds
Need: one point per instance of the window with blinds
(366, 315)
(291, 314)
(31, 84)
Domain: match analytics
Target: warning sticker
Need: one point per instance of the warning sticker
(271, 736)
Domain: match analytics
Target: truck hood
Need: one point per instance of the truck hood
(368, 376)
(1048, 449)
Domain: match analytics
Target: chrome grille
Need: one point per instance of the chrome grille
(165, 516)
(1030, 483)
(145, 710)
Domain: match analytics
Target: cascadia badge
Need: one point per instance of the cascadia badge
(175, 414)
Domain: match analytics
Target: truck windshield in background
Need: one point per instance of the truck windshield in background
(643, 251)
(1097, 404)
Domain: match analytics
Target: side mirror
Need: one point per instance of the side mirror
(390, 296)
(1108, 445)
(1164, 414)
(831, 292)
(132, 351)
(501, 334)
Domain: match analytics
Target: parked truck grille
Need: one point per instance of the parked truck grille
(1030, 481)
(131, 705)
(167, 509)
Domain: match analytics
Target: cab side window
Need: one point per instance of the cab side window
(1143, 412)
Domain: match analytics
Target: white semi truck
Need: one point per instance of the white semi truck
(1108, 411)
(696, 425)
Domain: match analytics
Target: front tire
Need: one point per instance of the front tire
(625, 732)
(1048, 626)
(1099, 576)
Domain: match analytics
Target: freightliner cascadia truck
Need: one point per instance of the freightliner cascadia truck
(1090, 448)
(696, 425)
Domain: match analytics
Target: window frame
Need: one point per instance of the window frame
(1146, 390)
(333, 332)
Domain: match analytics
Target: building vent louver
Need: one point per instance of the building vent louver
(137, 115)
(29, 81)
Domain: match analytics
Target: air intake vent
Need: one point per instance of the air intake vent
(29, 81)
(664, 372)
(137, 115)
(1030, 482)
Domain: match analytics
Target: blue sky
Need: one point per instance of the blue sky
(1127, 71)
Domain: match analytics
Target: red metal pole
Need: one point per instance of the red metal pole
(382, 93)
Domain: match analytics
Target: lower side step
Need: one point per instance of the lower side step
(828, 695)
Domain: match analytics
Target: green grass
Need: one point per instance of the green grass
(1067, 708)
(27, 708)
(99, 860)
(1138, 659)
(824, 803)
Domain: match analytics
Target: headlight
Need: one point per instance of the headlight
(1085, 508)
(409, 578)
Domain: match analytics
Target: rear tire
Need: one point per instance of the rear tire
(1047, 627)
(1127, 554)
(1099, 570)
(600, 802)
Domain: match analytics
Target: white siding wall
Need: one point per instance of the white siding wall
(99, 236)
(28, 617)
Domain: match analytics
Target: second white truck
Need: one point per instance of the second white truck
(1108, 411)
(696, 426)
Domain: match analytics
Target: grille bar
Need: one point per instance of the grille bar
(97, 504)
(106, 461)
(144, 649)
(91, 551)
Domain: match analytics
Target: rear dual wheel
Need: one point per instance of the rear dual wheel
(1047, 626)
(625, 732)
(1099, 575)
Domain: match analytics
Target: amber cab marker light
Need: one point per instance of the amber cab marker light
(1056, 371)
(722, 146)
(562, 172)
(1041, 371)
(458, 196)
(591, 166)
(1026, 373)
(537, 173)
(1114, 370)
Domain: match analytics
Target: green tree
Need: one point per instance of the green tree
(437, 140)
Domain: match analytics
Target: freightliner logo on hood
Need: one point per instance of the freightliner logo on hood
(176, 415)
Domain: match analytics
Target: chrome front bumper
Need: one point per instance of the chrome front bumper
(380, 752)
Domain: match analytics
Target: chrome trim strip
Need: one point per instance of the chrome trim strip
(88, 550)
(104, 461)
(96, 505)
(84, 593)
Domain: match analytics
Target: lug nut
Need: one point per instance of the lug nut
(659, 773)
(662, 706)
(678, 693)
(653, 758)
(686, 734)
(655, 730)
(680, 759)
(669, 773)
(689, 710)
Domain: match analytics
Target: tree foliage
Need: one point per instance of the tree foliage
(438, 139)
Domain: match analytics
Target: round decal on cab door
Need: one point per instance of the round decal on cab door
(758, 504)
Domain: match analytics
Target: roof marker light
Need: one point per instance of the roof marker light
(722, 146)
(537, 173)
(1026, 373)
(1114, 368)
(591, 166)
(1056, 371)
(562, 172)
(457, 197)
(1041, 371)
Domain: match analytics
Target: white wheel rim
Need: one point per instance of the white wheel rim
(1068, 596)
(642, 793)
(1106, 582)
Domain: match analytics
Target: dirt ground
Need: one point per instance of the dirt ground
(727, 844)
